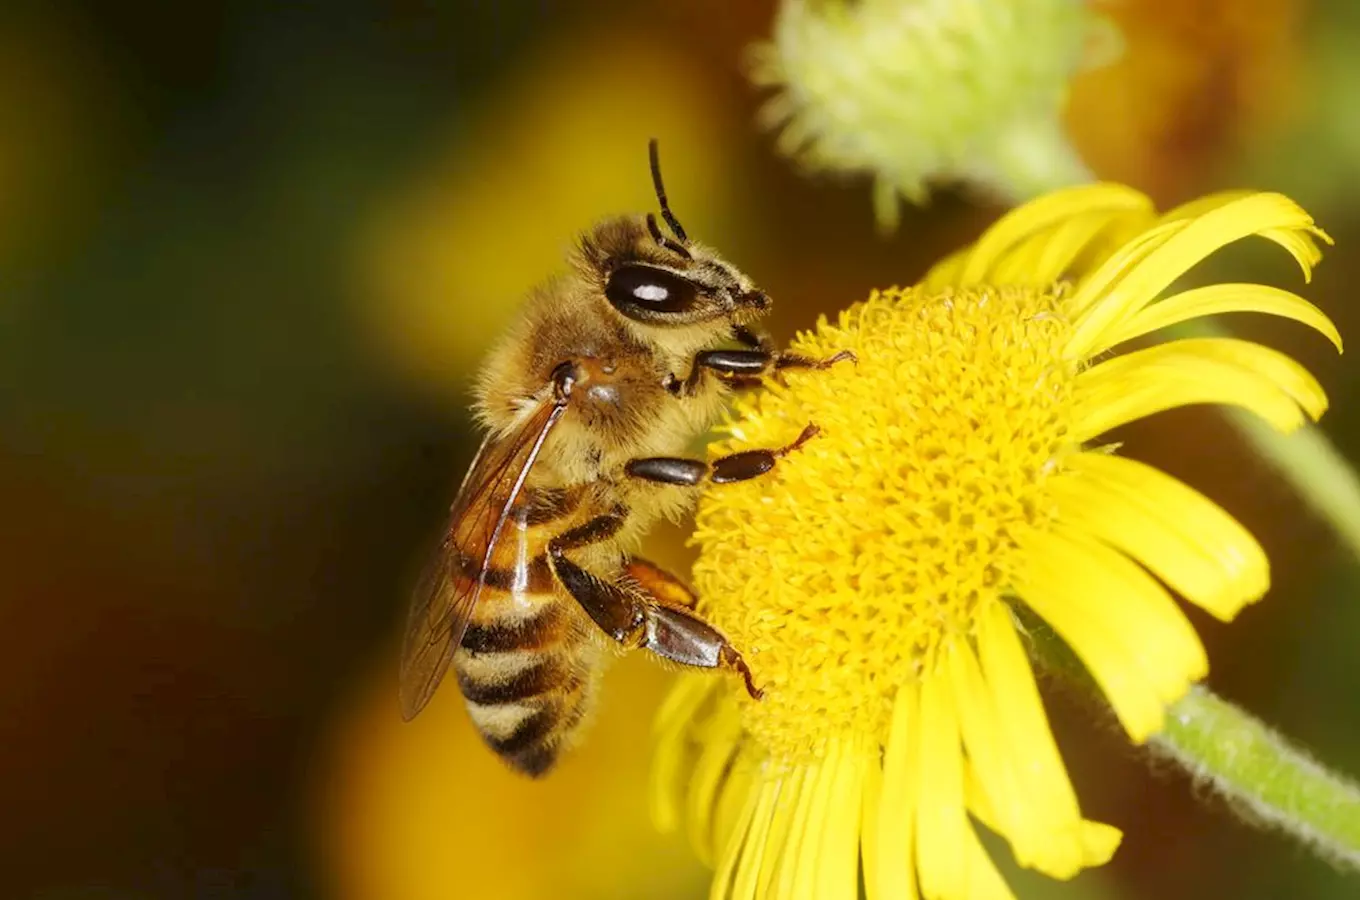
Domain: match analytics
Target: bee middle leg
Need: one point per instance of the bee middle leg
(650, 609)
(740, 466)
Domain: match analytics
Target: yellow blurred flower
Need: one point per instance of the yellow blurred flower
(563, 142)
(423, 811)
(917, 91)
(868, 578)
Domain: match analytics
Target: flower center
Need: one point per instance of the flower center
(840, 574)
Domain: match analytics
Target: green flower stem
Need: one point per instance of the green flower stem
(1267, 780)
(1261, 775)
(1309, 461)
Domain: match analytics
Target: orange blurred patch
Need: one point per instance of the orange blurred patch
(560, 145)
(424, 811)
(1196, 82)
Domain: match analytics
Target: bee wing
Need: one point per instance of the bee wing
(444, 597)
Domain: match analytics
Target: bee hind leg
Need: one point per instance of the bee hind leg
(674, 598)
(650, 609)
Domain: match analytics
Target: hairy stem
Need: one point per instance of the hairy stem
(1268, 780)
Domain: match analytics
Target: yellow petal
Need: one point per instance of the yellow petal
(1043, 214)
(757, 845)
(706, 780)
(1193, 209)
(1094, 289)
(1061, 253)
(941, 824)
(1177, 532)
(785, 886)
(1098, 842)
(870, 857)
(1196, 370)
(669, 770)
(1125, 285)
(730, 811)
(730, 852)
(1044, 832)
(988, 748)
(1140, 610)
(780, 838)
(1137, 645)
(1216, 300)
(895, 873)
(1040, 775)
(811, 852)
(946, 272)
(838, 874)
(1133, 699)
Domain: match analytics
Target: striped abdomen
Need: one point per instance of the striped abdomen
(528, 663)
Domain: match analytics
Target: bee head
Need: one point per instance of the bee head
(666, 281)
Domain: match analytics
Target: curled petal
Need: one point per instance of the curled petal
(1215, 300)
(1133, 278)
(1197, 370)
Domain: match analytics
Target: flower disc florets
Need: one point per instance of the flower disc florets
(963, 459)
(885, 535)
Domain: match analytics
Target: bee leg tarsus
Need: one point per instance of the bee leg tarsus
(733, 660)
(794, 361)
(808, 433)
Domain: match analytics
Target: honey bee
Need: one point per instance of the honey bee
(588, 402)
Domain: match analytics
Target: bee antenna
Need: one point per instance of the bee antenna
(669, 243)
(666, 213)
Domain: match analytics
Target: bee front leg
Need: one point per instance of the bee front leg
(744, 368)
(725, 469)
(657, 620)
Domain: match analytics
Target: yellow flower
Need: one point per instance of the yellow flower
(869, 579)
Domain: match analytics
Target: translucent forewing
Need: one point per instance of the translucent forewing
(444, 597)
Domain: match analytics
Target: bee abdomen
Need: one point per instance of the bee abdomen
(546, 676)
(528, 685)
(545, 629)
(529, 717)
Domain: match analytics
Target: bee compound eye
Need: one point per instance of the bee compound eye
(645, 289)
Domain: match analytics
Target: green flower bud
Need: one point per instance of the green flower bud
(919, 91)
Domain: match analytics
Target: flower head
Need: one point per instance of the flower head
(869, 578)
(914, 91)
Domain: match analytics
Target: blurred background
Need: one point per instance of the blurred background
(250, 254)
